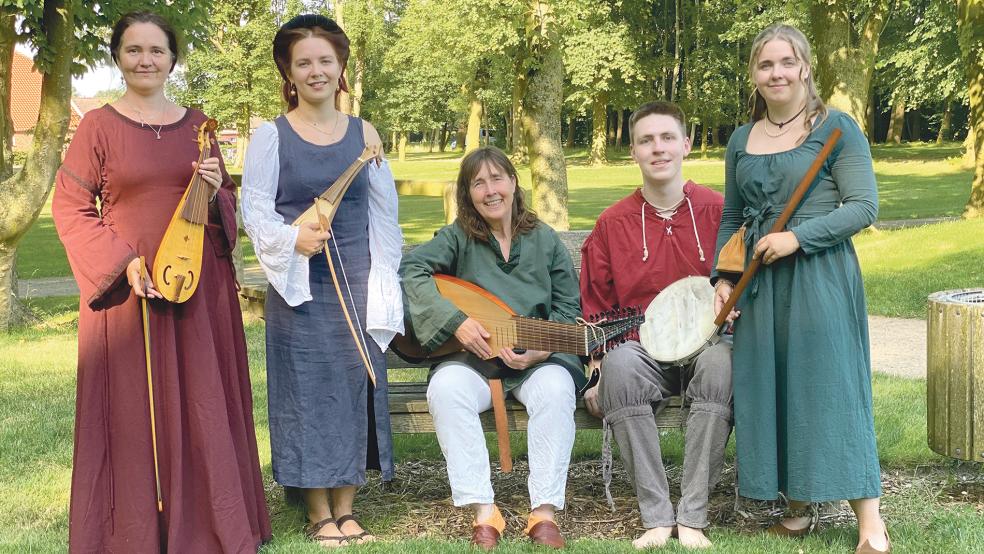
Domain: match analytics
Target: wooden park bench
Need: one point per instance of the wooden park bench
(408, 401)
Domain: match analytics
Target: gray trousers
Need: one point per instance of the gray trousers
(633, 387)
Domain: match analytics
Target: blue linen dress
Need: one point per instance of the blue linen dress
(802, 369)
(328, 424)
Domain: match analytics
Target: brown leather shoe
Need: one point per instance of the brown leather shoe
(484, 536)
(547, 533)
(810, 511)
(866, 547)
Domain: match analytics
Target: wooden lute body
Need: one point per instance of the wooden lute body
(510, 330)
(178, 264)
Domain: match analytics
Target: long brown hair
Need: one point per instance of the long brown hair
(524, 220)
(801, 48)
(301, 27)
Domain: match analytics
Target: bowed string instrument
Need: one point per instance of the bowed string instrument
(322, 212)
(178, 264)
(177, 267)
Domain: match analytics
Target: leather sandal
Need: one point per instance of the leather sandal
(358, 538)
(866, 547)
(486, 534)
(544, 532)
(810, 511)
(311, 531)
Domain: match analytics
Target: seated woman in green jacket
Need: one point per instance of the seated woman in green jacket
(501, 246)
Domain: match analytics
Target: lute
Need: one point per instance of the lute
(510, 330)
(178, 264)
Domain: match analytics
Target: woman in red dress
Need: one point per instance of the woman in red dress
(123, 176)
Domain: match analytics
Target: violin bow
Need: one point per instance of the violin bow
(150, 382)
(359, 344)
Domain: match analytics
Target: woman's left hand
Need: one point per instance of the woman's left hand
(524, 360)
(209, 170)
(773, 246)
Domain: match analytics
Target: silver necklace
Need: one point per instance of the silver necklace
(330, 133)
(157, 131)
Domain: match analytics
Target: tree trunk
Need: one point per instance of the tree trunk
(618, 129)
(23, 195)
(895, 124)
(845, 62)
(677, 49)
(358, 73)
(945, 122)
(570, 131)
(462, 131)
(703, 141)
(914, 122)
(443, 145)
(714, 136)
(599, 123)
(970, 33)
(541, 119)
(520, 153)
(402, 148)
(8, 37)
(474, 133)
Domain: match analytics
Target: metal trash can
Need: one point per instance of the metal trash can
(955, 373)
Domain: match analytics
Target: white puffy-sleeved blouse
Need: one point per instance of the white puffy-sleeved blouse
(274, 239)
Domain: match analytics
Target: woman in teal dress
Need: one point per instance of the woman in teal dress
(802, 371)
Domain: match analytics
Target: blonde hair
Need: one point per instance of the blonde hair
(815, 108)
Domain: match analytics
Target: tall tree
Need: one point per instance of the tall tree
(541, 112)
(846, 38)
(970, 29)
(600, 58)
(237, 58)
(67, 35)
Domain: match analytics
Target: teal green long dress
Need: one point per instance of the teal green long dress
(802, 369)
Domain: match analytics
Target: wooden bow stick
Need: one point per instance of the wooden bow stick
(779, 225)
(150, 382)
(359, 344)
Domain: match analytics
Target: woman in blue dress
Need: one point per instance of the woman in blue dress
(328, 423)
(802, 372)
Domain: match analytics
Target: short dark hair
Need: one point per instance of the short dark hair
(524, 220)
(657, 108)
(131, 18)
(301, 27)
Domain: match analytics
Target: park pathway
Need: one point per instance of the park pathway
(898, 346)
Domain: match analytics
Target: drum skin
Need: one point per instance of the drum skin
(679, 321)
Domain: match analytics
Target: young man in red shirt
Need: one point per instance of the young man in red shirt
(660, 233)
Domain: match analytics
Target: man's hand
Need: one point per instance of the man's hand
(474, 337)
(722, 293)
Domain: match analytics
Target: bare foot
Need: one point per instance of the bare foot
(692, 538)
(655, 537)
(330, 536)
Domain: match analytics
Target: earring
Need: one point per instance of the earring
(293, 90)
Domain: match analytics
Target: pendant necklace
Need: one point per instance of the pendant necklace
(782, 124)
(157, 131)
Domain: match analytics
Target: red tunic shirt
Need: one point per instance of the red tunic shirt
(619, 269)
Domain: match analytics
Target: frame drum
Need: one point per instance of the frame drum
(680, 321)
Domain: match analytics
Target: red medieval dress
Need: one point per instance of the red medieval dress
(209, 467)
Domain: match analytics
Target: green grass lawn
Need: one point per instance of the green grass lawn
(915, 181)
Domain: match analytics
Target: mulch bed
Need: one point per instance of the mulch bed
(417, 502)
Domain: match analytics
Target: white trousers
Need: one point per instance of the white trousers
(457, 395)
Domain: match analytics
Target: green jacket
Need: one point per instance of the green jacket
(537, 280)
